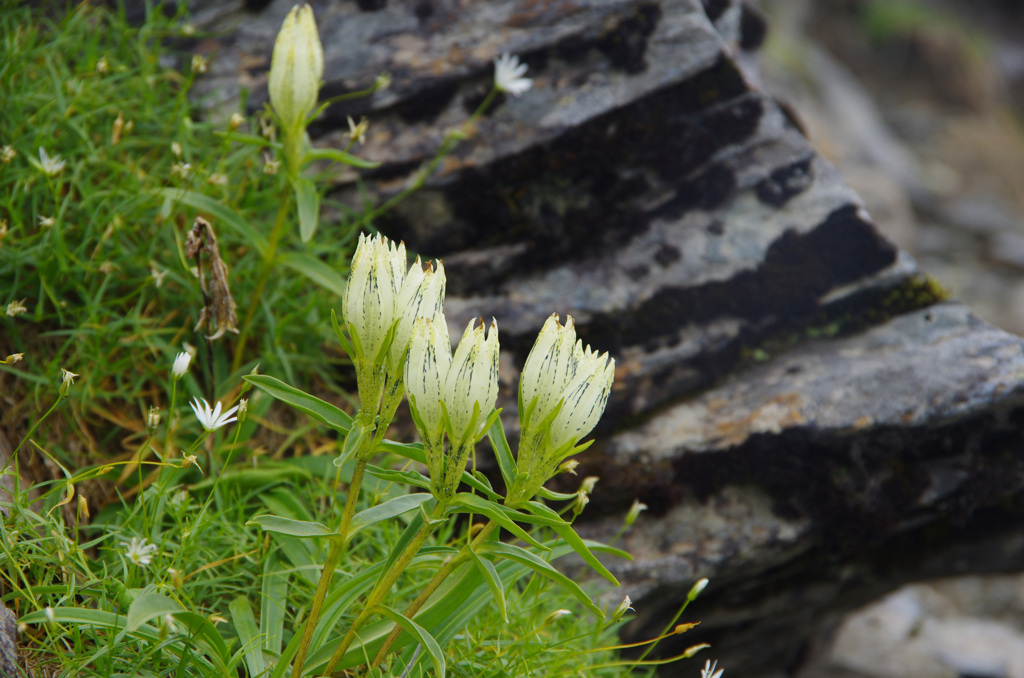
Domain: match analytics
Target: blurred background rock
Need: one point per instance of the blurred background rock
(920, 105)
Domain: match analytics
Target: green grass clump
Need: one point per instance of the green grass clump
(134, 551)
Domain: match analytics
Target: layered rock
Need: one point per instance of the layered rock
(809, 425)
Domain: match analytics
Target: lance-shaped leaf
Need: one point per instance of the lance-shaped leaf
(320, 410)
(540, 566)
(418, 632)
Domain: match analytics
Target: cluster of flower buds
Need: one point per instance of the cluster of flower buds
(562, 395)
(451, 396)
(383, 298)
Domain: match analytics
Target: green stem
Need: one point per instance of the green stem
(32, 430)
(269, 255)
(333, 557)
(450, 140)
(382, 587)
(431, 587)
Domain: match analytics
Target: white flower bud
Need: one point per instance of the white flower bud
(181, 363)
(421, 295)
(548, 369)
(585, 399)
(430, 357)
(471, 387)
(697, 588)
(625, 606)
(370, 303)
(588, 484)
(634, 512)
(296, 68)
(582, 499)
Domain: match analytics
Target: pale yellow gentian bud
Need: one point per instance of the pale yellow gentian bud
(296, 68)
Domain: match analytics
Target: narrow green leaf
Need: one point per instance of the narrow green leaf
(249, 634)
(566, 532)
(413, 478)
(320, 410)
(540, 566)
(386, 511)
(340, 156)
(218, 213)
(319, 272)
(496, 513)
(77, 615)
(308, 201)
(493, 582)
(274, 593)
(503, 453)
(418, 632)
(296, 528)
(150, 605)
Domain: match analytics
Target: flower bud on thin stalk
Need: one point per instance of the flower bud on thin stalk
(296, 69)
(562, 394)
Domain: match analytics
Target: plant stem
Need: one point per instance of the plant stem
(382, 587)
(269, 255)
(432, 586)
(333, 557)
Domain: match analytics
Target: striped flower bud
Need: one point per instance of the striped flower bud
(471, 388)
(370, 303)
(430, 357)
(421, 295)
(296, 68)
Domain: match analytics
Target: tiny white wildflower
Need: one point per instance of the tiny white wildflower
(357, 132)
(199, 63)
(508, 75)
(181, 169)
(212, 418)
(157, 275)
(13, 358)
(102, 66)
(67, 379)
(176, 149)
(709, 670)
(382, 81)
(16, 307)
(7, 154)
(270, 166)
(235, 121)
(51, 166)
(140, 551)
(188, 29)
(107, 267)
(46, 222)
(217, 179)
(181, 363)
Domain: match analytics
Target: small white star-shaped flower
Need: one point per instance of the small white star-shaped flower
(51, 166)
(16, 307)
(140, 551)
(709, 670)
(212, 419)
(508, 75)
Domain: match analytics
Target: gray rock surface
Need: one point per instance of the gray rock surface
(809, 426)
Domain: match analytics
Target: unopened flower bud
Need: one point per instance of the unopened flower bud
(83, 508)
(588, 484)
(181, 363)
(697, 588)
(153, 419)
(581, 503)
(176, 149)
(243, 409)
(569, 466)
(296, 68)
(176, 578)
(625, 606)
(235, 122)
(634, 512)
(557, 614)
